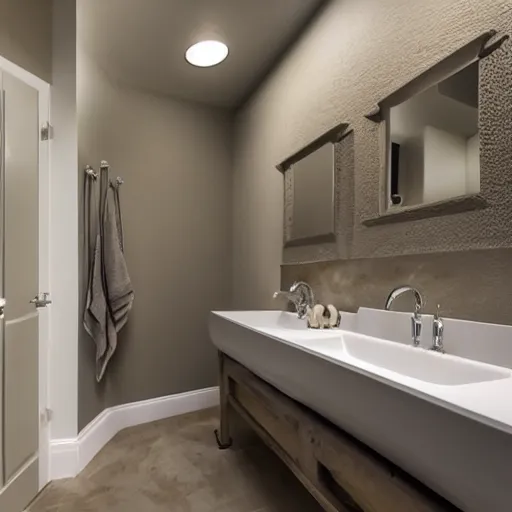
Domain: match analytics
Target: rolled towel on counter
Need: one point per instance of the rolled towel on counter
(310, 318)
(319, 312)
(315, 317)
(334, 316)
(323, 317)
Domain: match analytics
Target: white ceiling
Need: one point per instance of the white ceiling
(143, 42)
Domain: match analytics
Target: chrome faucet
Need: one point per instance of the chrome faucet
(301, 294)
(437, 333)
(416, 316)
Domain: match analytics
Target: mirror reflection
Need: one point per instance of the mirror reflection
(434, 151)
(313, 194)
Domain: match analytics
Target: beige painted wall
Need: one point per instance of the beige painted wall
(26, 35)
(175, 159)
(355, 53)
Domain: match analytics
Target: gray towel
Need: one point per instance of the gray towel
(119, 289)
(110, 294)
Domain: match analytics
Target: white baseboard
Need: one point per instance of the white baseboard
(68, 457)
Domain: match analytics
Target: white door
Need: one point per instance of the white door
(20, 428)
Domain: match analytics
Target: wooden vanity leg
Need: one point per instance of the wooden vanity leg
(224, 440)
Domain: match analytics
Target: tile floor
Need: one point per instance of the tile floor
(174, 465)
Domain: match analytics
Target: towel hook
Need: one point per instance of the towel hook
(89, 170)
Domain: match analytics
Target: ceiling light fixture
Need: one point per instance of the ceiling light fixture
(206, 53)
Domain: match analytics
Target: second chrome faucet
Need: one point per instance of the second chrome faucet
(437, 328)
(416, 317)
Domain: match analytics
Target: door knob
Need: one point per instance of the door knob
(3, 302)
(41, 300)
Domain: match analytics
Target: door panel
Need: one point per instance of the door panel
(19, 284)
(21, 197)
(21, 398)
(14, 497)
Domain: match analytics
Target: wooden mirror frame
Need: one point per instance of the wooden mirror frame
(336, 244)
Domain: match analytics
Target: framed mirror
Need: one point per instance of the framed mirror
(434, 131)
(433, 142)
(318, 198)
(313, 198)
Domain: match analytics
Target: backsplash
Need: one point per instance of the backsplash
(470, 285)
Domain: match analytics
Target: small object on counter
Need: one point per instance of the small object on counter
(334, 316)
(319, 314)
(312, 322)
(315, 317)
(323, 317)
(310, 316)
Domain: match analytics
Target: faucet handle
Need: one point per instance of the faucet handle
(438, 332)
(416, 329)
(438, 321)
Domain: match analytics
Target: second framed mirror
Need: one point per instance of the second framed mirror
(318, 198)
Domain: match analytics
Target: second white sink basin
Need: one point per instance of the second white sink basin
(419, 363)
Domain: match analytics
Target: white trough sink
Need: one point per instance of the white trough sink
(420, 364)
(447, 420)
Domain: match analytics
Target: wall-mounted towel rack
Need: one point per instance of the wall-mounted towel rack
(104, 167)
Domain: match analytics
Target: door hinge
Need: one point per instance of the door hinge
(41, 300)
(46, 416)
(46, 131)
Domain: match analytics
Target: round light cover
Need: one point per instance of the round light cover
(206, 53)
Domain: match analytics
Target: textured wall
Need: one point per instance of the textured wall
(471, 285)
(175, 160)
(26, 35)
(355, 53)
(481, 228)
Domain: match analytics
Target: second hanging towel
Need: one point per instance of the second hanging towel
(110, 293)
